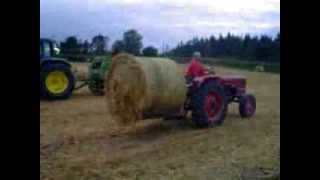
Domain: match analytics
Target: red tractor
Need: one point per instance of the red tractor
(210, 96)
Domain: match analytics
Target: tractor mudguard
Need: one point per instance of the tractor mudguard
(198, 81)
(48, 61)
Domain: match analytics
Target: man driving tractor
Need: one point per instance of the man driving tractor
(194, 69)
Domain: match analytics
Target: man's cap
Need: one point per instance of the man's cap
(196, 54)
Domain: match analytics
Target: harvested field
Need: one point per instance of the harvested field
(80, 140)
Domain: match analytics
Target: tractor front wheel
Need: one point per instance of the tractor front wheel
(209, 104)
(56, 81)
(247, 105)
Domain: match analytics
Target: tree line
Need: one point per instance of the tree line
(131, 42)
(263, 48)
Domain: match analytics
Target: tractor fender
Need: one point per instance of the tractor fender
(50, 61)
(199, 81)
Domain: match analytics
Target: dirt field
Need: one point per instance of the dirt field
(79, 140)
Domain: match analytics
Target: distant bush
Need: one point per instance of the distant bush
(150, 51)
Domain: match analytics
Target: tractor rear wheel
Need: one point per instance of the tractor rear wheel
(247, 105)
(56, 81)
(209, 104)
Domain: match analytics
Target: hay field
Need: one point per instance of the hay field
(79, 140)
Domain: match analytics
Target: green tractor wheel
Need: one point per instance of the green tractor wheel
(56, 81)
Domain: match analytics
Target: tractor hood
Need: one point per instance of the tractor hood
(54, 60)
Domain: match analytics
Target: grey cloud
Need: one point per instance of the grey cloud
(158, 24)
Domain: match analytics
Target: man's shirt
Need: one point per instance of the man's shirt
(195, 68)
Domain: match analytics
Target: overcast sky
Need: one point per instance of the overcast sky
(159, 21)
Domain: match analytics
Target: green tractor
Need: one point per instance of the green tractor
(56, 78)
(97, 70)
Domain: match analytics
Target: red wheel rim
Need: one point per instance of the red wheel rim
(212, 105)
(249, 107)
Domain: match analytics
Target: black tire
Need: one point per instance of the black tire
(199, 115)
(45, 70)
(244, 110)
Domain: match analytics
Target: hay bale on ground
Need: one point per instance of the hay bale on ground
(141, 88)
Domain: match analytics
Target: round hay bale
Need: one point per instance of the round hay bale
(141, 88)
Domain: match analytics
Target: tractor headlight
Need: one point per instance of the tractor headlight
(56, 51)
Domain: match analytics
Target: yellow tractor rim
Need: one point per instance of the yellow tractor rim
(57, 82)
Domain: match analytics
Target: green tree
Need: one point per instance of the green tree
(264, 48)
(132, 42)
(150, 51)
(213, 45)
(118, 45)
(70, 46)
(249, 47)
(277, 48)
(85, 47)
(99, 44)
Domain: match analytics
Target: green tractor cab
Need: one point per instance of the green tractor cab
(56, 78)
